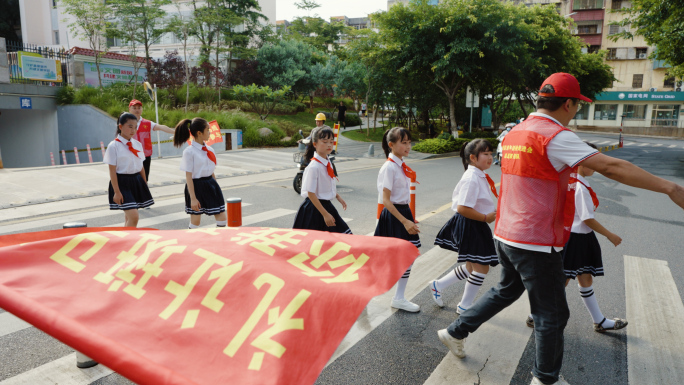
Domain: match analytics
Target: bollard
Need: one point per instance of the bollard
(371, 151)
(90, 156)
(52, 159)
(412, 204)
(234, 211)
(377, 217)
(103, 150)
(78, 161)
(82, 361)
(64, 157)
(336, 131)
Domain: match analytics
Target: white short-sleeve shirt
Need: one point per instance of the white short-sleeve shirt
(473, 191)
(566, 149)
(584, 207)
(196, 161)
(392, 177)
(317, 180)
(118, 154)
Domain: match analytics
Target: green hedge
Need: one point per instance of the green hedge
(478, 134)
(441, 146)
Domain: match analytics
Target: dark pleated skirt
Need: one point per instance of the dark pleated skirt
(472, 240)
(309, 218)
(135, 192)
(209, 194)
(582, 255)
(389, 226)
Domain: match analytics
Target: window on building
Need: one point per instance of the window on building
(56, 37)
(637, 80)
(634, 111)
(642, 53)
(626, 53)
(593, 48)
(665, 115)
(616, 4)
(54, 4)
(587, 4)
(615, 29)
(587, 29)
(605, 111)
(582, 112)
(669, 82)
(612, 54)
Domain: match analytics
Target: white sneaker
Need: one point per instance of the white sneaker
(436, 294)
(561, 381)
(454, 344)
(460, 309)
(404, 304)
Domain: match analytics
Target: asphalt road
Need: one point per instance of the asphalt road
(403, 348)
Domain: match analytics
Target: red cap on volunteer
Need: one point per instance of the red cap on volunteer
(565, 86)
(134, 102)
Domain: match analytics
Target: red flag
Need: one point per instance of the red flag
(204, 306)
(215, 134)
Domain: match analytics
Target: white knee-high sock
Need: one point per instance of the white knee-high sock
(455, 275)
(401, 284)
(191, 226)
(590, 301)
(471, 288)
(221, 223)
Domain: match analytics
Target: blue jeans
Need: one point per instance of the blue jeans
(541, 274)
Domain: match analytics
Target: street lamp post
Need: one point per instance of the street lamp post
(622, 122)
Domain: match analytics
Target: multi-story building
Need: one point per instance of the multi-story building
(643, 99)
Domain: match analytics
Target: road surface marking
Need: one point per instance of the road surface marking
(657, 145)
(10, 324)
(643, 144)
(672, 146)
(62, 371)
(655, 312)
(604, 142)
(426, 268)
(492, 352)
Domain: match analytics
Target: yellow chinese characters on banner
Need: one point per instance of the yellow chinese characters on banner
(204, 306)
(214, 134)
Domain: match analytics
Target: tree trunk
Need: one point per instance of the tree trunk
(452, 116)
(311, 103)
(187, 71)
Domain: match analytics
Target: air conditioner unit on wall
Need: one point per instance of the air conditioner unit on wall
(643, 55)
(653, 89)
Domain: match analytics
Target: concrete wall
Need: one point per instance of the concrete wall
(4, 64)
(80, 125)
(27, 137)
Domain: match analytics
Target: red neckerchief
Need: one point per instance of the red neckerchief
(331, 172)
(594, 198)
(210, 154)
(407, 170)
(130, 147)
(491, 185)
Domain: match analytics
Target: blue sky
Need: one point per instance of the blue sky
(285, 9)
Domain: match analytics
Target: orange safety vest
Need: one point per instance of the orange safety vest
(144, 136)
(537, 203)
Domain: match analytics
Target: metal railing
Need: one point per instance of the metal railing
(13, 49)
(664, 122)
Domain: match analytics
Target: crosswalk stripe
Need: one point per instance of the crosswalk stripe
(62, 371)
(426, 268)
(643, 144)
(492, 352)
(672, 146)
(256, 218)
(604, 142)
(10, 324)
(656, 331)
(657, 145)
(39, 223)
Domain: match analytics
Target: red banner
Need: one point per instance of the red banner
(203, 306)
(214, 132)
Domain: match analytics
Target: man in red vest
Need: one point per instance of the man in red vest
(144, 132)
(534, 218)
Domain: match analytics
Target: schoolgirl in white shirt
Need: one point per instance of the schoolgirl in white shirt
(319, 187)
(203, 194)
(128, 190)
(468, 232)
(582, 252)
(394, 191)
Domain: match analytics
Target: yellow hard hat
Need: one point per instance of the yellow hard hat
(320, 116)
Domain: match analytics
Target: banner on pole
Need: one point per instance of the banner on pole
(203, 306)
(214, 132)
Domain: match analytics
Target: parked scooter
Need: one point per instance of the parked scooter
(301, 162)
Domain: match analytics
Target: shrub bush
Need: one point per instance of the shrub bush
(441, 146)
(477, 134)
(66, 95)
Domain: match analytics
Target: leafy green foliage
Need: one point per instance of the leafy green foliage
(66, 95)
(441, 146)
(262, 99)
(289, 63)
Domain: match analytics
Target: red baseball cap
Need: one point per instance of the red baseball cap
(134, 102)
(565, 85)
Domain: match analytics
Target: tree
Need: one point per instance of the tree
(147, 17)
(660, 23)
(318, 32)
(181, 26)
(125, 28)
(90, 23)
(262, 99)
(290, 63)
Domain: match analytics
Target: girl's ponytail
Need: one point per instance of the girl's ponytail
(464, 158)
(182, 133)
(385, 144)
